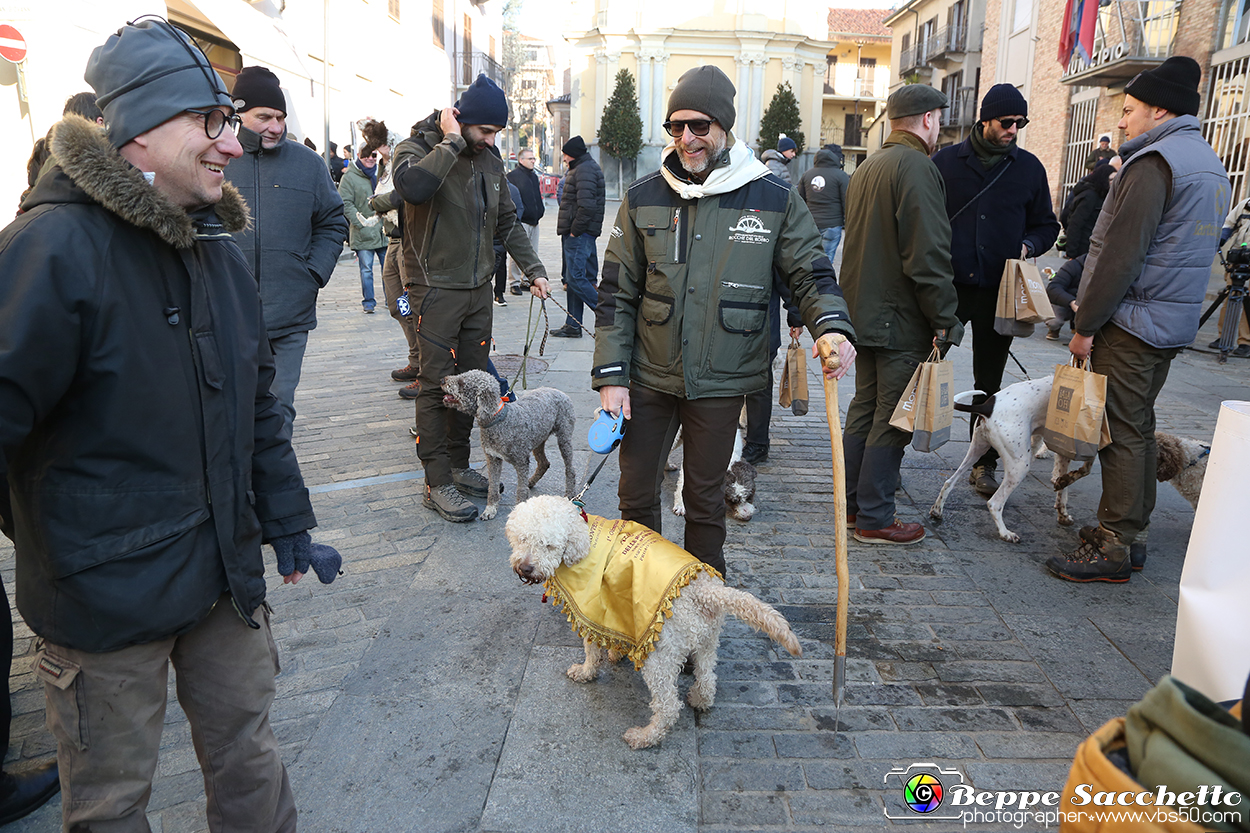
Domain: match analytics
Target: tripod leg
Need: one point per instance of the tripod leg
(1219, 299)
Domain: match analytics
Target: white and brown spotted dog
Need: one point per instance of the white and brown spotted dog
(739, 479)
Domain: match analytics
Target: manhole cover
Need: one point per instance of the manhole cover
(509, 364)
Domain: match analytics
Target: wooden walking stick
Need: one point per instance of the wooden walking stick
(829, 358)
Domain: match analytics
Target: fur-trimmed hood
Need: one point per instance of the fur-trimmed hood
(84, 153)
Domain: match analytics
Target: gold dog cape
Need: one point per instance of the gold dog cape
(619, 595)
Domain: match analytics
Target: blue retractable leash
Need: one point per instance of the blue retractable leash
(605, 435)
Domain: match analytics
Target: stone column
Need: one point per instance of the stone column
(659, 96)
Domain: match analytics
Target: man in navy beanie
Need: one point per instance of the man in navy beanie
(1136, 313)
(455, 201)
(998, 202)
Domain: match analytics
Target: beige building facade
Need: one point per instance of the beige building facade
(338, 60)
(758, 45)
(858, 72)
(939, 42)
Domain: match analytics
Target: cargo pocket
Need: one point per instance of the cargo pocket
(658, 336)
(273, 646)
(66, 713)
(655, 224)
(743, 317)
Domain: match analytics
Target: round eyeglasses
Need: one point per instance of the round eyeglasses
(699, 127)
(215, 121)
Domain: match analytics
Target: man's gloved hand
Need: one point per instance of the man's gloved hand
(947, 338)
(297, 551)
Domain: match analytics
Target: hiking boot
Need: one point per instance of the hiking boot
(755, 453)
(1052, 335)
(895, 533)
(448, 502)
(567, 332)
(982, 480)
(1136, 550)
(1103, 559)
(469, 482)
(407, 373)
(410, 391)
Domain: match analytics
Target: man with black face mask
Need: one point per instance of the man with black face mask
(455, 201)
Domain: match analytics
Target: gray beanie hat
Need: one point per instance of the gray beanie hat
(147, 73)
(704, 89)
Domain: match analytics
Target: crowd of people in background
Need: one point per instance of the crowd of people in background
(164, 178)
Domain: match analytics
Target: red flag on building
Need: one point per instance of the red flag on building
(1080, 23)
(1088, 23)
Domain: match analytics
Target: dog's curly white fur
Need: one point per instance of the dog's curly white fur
(1183, 463)
(515, 430)
(546, 531)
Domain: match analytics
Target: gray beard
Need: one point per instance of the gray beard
(709, 159)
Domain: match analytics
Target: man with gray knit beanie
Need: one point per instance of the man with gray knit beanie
(142, 455)
(682, 321)
(1136, 313)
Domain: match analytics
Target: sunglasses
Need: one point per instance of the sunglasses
(215, 121)
(370, 156)
(1009, 123)
(699, 127)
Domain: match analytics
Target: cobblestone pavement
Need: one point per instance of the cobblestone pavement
(425, 691)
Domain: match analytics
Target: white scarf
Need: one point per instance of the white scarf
(743, 167)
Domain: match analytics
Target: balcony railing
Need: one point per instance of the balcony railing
(962, 112)
(949, 41)
(466, 66)
(859, 87)
(1131, 37)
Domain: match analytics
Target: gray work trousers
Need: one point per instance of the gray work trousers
(107, 710)
(288, 361)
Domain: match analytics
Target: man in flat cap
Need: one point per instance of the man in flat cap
(142, 456)
(896, 271)
(1140, 299)
(297, 228)
(998, 202)
(682, 322)
(451, 184)
(1099, 155)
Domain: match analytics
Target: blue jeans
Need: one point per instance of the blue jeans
(364, 258)
(831, 237)
(581, 263)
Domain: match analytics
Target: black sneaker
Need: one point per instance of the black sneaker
(470, 482)
(1215, 345)
(449, 503)
(410, 391)
(982, 480)
(407, 373)
(1241, 352)
(755, 453)
(567, 332)
(1106, 560)
(500, 302)
(515, 289)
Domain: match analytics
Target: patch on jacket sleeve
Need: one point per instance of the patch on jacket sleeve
(614, 369)
(605, 312)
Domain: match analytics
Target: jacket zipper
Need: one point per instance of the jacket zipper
(256, 219)
(731, 285)
(477, 249)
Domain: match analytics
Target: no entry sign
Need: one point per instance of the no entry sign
(12, 45)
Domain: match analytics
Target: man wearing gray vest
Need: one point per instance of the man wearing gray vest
(1140, 299)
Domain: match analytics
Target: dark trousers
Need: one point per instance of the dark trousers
(989, 349)
(6, 645)
(872, 447)
(454, 326)
(581, 263)
(501, 270)
(1135, 374)
(760, 404)
(708, 427)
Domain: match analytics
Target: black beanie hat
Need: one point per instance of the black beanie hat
(1003, 100)
(483, 103)
(147, 73)
(704, 89)
(258, 87)
(1173, 85)
(575, 147)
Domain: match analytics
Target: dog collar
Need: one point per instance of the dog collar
(1206, 449)
(498, 415)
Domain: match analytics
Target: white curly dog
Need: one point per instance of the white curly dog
(546, 531)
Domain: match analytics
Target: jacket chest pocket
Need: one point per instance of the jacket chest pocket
(657, 225)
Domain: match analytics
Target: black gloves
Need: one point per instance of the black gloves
(297, 551)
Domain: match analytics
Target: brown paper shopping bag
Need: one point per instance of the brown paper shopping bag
(794, 380)
(1032, 302)
(935, 410)
(904, 416)
(1076, 414)
(1006, 321)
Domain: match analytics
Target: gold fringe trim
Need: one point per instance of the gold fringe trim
(611, 640)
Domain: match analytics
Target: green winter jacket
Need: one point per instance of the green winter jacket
(356, 190)
(454, 203)
(896, 267)
(688, 275)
